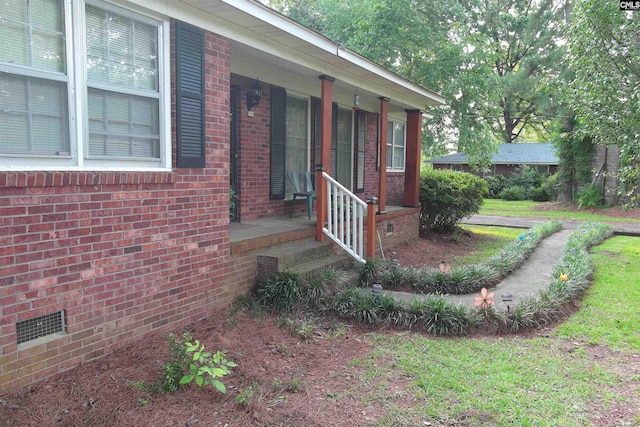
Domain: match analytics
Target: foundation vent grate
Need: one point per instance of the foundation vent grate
(41, 326)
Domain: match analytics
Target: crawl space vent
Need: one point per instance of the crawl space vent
(41, 326)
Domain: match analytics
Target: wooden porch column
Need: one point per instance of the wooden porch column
(326, 114)
(382, 184)
(413, 158)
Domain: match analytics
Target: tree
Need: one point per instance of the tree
(605, 56)
(575, 151)
(519, 45)
(488, 57)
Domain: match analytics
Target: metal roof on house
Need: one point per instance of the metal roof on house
(510, 154)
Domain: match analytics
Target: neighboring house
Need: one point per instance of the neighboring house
(123, 126)
(509, 157)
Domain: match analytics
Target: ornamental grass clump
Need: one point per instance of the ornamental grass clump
(318, 292)
(280, 293)
(367, 308)
(433, 314)
(439, 317)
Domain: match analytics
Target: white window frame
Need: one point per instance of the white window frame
(77, 98)
(391, 145)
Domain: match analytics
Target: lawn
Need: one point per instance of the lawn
(585, 372)
(557, 211)
(490, 241)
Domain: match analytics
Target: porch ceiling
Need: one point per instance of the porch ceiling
(274, 48)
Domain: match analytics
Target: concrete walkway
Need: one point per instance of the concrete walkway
(535, 273)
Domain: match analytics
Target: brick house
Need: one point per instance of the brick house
(507, 160)
(123, 126)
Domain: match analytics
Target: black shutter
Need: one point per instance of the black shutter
(190, 137)
(278, 142)
(316, 110)
(334, 141)
(359, 159)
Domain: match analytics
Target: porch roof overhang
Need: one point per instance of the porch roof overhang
(278, 50)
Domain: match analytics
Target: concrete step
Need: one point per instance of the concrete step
(281, 257)
(307, 258)
(313, 268)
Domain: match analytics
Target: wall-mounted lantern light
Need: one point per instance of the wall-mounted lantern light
(254, 95)
(356, 101)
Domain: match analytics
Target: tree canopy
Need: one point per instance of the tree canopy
(605, 92)
(488, 57)
(511, 69)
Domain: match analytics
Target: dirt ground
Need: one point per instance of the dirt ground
(297, 383)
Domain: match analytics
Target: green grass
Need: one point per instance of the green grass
(503, 382)
(557, 380)
(527, 209)
(610, 312)
(492, 242)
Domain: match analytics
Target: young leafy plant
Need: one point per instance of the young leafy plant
(205, 368)
(173, 370)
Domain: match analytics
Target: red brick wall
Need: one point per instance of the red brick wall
(396, 227)
(371, 173)
(254, 161)
(395, 188)
(122, 254)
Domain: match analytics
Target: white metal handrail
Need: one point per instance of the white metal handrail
(345, 218)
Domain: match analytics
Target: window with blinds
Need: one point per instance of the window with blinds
(122, 80)
(118, 76)
(396, 147)
(344, 156)
(34, 84)
(297, 137)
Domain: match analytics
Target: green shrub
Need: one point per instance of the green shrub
(447, 197)
(514, 193)
(547, 191)
(527, 177)
(173, 370)
(590, 196)
(187, 362)
(527, 183)
(280, 293)
(495, 185)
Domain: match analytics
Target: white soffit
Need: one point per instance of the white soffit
(263, 40)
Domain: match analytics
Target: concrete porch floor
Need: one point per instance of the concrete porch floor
(269, 226)
(264, 233)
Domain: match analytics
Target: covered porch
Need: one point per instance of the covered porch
(399, 224)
